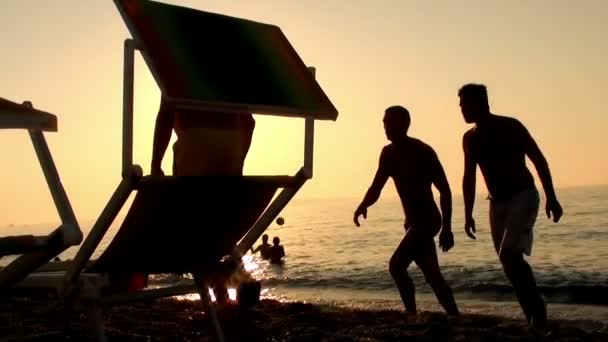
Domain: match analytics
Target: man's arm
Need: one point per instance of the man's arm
(468, 186)
(445, 193)
(446, 238)
(373, 193)
(542, 169)
(249, 126)
(162, 136)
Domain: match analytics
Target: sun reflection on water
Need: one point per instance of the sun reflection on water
(255, 268)
(195, 296)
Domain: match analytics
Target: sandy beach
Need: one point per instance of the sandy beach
(270, 320)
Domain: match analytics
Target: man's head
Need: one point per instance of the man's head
(396, 122)
(265, 238)
(474, 103)
(276, 240)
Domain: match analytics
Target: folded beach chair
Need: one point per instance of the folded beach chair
(200, 61)
(35, 251)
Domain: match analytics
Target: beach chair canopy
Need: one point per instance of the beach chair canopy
(204, 60)
(186, 224)
(15, 115)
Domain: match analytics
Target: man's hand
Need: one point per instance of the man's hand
(156, 171)
(360, 211)
(553, 207)
(407, 225)
(469, 227)
(446, 239)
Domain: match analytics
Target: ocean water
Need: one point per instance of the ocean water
(329, 260)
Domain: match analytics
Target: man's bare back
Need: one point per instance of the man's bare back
(499, 146)
(208, 143)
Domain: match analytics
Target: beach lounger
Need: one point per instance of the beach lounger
(165, 231)
(35, 251)
(200, 61)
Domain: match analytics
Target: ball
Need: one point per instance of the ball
(280, 221)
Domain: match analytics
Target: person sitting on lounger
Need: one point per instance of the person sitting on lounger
(209, 143)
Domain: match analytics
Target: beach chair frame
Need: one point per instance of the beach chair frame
(132, 174)
(36, 122)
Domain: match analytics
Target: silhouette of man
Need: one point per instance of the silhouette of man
(499, 145)
(276, 252)
(264, 248)
(414, 167)
(208, 143)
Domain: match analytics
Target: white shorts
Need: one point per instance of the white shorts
(512, 221)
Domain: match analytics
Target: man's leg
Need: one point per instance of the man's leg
(426, 259)
(521, 276)
(498, 224)
(397, 266)
(517, 241)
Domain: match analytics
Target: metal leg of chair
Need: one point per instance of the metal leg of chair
(68, 312)
(96, 319)
(203, 290)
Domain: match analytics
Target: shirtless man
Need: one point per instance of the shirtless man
(263, 248)
(414, 167)
(499, 145)
(208, 144)
(276, 252)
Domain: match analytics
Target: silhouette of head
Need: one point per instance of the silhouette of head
(473, 102)
(276, 240)
(265, 238)
(396, 122)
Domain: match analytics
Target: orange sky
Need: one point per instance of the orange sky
(544, 62)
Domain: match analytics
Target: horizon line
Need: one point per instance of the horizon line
(296, 199)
